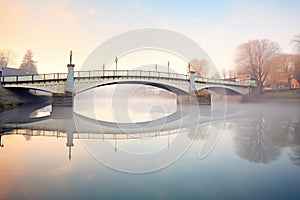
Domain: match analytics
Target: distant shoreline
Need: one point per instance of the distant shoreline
(278, 100)
(273, 96)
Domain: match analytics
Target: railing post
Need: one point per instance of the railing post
(192, 82)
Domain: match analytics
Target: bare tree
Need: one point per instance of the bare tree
(255, 57)
(28, 65)
(200, 67)
(296, 62)
(7, 57)
(282, 68)
(296, 41)
(232, 74)
(224, 73)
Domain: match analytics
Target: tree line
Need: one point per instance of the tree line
(28, 65)
(263, 60)
(260, 59)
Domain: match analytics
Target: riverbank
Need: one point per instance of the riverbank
(272, 96)
(9, 100)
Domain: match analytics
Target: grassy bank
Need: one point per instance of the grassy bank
(8, 100)
(17, 97)
(272, 95)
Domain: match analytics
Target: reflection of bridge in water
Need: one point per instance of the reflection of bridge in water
(63, 122)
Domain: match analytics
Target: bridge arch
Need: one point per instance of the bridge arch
(169, 86)
(33, 87)
(221, 89)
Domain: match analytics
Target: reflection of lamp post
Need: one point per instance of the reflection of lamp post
(1, 73)
(116, 60)
(115, 144)
(1, 145)
(189, 67)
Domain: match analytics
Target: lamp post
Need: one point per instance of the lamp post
(116, 60)
(168, 67)
(103, 67)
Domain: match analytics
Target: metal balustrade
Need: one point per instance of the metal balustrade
(117, 74)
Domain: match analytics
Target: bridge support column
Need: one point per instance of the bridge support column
(62, 100)
(197, 99)
(192, 82)
(66, 99)
(193, 97)
(70, 79)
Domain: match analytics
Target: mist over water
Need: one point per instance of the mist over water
(118, 105)
(244, 148)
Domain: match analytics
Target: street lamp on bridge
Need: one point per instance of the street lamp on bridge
(168, 67)
(116, 60)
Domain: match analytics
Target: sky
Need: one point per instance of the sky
(51, 28)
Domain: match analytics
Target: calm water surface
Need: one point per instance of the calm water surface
(252, 153)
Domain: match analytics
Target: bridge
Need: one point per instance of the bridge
(75, 82)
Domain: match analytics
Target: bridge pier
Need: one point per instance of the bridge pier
(62, 100)
(62, 112)
(66, 99)
(194, 97)
(197, 99)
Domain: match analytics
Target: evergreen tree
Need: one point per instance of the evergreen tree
(28, 64)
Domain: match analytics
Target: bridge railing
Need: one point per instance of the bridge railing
(128, 73)
(114, 74)
(37, 77)
(219, 81)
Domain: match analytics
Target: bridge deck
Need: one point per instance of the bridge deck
(107, 74)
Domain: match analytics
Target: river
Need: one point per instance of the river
(151, 148)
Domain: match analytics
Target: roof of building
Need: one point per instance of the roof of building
(8, 71)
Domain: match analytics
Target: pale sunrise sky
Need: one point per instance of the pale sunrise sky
(51, 28)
